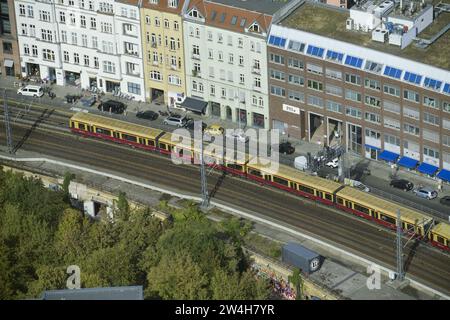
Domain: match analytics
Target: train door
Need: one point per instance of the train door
(320, 194)
(116, 135)
(268, 177)
(348, 204)
(89, 128)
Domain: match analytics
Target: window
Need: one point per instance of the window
(94, 42)
(392, 90)
(83, 21)
(315, 85)
(313, 68)
(176, 25)
(411, 95)
(173, 3)
(72, 19)
(86, 60)
(48, 55)
(277, 75)
(32, 30)
(411, 129)
(276, 58)
(241, 78)
(109, 67)
(333, 74)
(76, 58)
(30, 11)
(315, 101)
(66, 56)
(410, 112)
(240, 43)
(334, 106)
(21, 10)
(44, 15)
(46, 35)
(210, 36)
(257, 82)
(427, 151)
(166, 24)
(446, 141)
(431, 119)
(372, 117)
(230, 76)
(277, 91)
(296, 96)
(394, 140)
(84, 41)
(353, 112)
(93, 23)
(106, 27)
(372, 84)
(220, 56)
(296, 46)
(431, 135)
(96, 64)
(297, 80)
(34, 50)
(24, 29)
(62, 17)
(156, 75)
(353, 79)
(212, 90)
(229, 40)
(219, 38)
(372, 134)
(446, 124)
(373, 66)
(352, 95)
(230, 58)
(391, 123)
(295, 64)
(333, 90)
(391, 106)
(134, 88)
(241, 60)
(431, 102)
(372, 101)
(26, 49)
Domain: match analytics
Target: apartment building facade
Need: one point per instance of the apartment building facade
(162, 34)
(226, 58)
(9, 49)
(83, 43)
(378, 105)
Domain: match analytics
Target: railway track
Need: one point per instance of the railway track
(424, 264)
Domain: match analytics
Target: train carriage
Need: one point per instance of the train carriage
(115, 130)
(234, 163)
(440, 236)
(295, 181)
(384, 212)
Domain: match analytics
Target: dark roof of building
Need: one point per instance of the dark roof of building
(262, 6)
(109, 293)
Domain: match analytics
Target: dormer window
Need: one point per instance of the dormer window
(153, 1)
(194, 13)
(254, 28)
(173, 3)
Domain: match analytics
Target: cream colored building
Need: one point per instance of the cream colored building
(162, 34)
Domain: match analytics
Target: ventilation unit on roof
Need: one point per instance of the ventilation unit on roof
(380, 35)
(349, 24)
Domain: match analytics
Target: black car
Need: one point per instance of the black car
(190, 125)
(286, 148)
(402, 184)
(148, 115)
(445, 201)
(112, 106)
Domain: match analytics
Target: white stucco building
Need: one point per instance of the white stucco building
(82, 42)
(226, 57)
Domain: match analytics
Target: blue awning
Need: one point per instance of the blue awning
(407, 162)
(427, 168)
(444, 175)
(388, 156)
(372, 147)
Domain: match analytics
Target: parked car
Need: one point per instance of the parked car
(190, 125)
(214, 130)
(30, 90)
(237, 134)
(402, 184)
(112, 106)
(445, 201)
(175, 120)
(286, 148)
(147, 115)
(333, 163)
(426, 192)
(361, 186)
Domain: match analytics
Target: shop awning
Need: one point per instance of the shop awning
(9, 63)
(427, 168)
(388, 156)
(195, 105)
(444, 175)
(372, 147)
(407, 162)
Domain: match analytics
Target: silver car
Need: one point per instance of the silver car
(175, 121)
(425, 192)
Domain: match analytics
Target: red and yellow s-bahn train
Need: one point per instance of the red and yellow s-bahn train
(328, 192)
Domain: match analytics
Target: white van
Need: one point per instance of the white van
(34, 91)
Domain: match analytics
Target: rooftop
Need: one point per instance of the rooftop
(331, 23)
(262, 6)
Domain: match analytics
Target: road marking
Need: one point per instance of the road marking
(226, 208)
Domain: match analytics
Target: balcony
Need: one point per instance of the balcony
(132, 53)
(195, 56)
(173, 67)
(155, 63)
(256, 70)
(133, 73)
(196, 73)
(154, 45)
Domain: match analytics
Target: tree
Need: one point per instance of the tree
(68, 177)
(236, 286)
(48, 278)
(177, 277)
(297, 280)
(122, 211)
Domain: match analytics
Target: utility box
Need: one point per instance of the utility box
(298, 256)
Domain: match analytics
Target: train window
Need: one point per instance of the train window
(255, 172)
(89, 128)
(328, 196)
(306, 189)
(163, 146)
(340, 201)
(128, 137)
(284, 182)
(387, 219)
(72, 124)
(151, 143)
(361, 208)
(81, 126)
(440, 239)
(103, 131)
(234, 166)
(141, 141)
